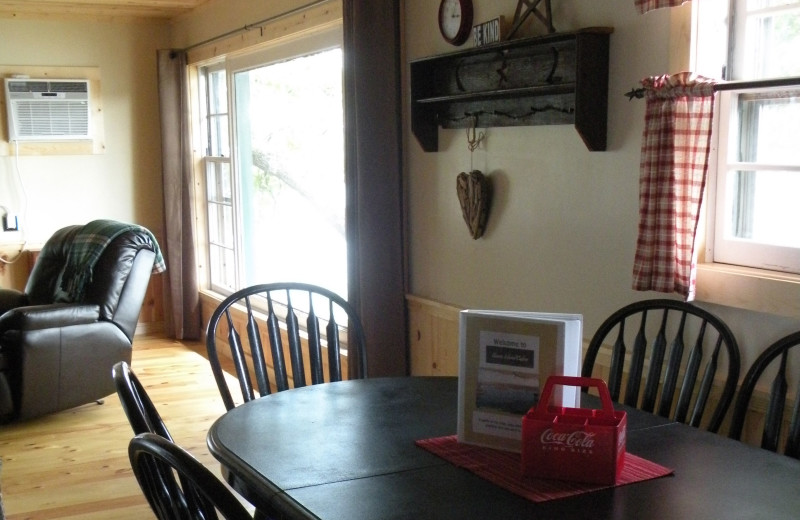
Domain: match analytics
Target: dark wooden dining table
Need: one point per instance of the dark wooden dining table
(347, 450)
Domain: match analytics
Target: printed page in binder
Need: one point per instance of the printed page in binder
(505, 359)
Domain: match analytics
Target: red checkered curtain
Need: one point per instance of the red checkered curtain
(674, 162)
(648, 5)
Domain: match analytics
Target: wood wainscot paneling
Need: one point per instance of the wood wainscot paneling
(433, 343)
(757, 409)
(151, 317)
(432, 337)
(15, 267)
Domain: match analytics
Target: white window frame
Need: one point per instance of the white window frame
(730, 250)
(284, 49)
(723, 248)
(219, 161)
(750, 288)
(281, 49)
(737, 31)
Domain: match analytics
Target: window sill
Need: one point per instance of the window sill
(748, 288)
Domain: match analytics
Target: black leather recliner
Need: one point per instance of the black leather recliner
(57, 350)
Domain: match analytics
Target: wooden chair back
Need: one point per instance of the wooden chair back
(137, 405)
(177, 486)
(774, 416)
(284, 335)
(677, 369)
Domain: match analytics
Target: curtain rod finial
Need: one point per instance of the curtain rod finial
(637, 93)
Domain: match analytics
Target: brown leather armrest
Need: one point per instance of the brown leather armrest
(11, 299)
(37, 317)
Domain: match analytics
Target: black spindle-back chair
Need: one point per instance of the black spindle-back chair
(685, 339)
(773, 419)
(143, 415)
(268, 342)
(136, 403)
(177, 486)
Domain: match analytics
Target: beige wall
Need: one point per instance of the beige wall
(218, 17)
(123, 182)
(562, 230)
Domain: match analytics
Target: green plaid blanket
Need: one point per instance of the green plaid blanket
(86, 248)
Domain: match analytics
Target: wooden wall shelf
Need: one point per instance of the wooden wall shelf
(556, 79)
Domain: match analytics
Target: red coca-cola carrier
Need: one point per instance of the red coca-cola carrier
(577, 444)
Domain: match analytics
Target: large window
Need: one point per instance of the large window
(276, 195)
(757, 180)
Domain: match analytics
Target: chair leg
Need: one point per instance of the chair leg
(6, 404)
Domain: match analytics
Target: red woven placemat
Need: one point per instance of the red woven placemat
(503, 469)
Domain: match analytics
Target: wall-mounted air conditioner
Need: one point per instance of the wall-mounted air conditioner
(47, 109)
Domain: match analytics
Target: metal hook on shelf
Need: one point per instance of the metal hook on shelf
(474, 137)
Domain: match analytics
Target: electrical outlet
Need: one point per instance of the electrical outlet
(10, 222)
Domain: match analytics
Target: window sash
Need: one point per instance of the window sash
(217, 179)
(220, 224)
(734, 180)
(751, 29)
(214, 111)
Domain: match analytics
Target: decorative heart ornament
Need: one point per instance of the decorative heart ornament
(475, 196)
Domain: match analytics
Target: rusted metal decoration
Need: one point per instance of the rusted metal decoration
(475, 196)
(531, 7)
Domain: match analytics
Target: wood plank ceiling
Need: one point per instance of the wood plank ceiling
(97, 9)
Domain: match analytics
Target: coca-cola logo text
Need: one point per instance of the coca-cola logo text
(576, 439)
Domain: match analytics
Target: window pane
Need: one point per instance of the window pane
(220, 225)
(220, 203)
(760, 4)
(760, 199)
(222, 268)
(218, 180)
(214, 90)
(218, 90)
(290, 151)
(764, 207)
(769, 126)
(771, 43)
(218, 132)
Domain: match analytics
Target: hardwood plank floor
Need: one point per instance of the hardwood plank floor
(74, 464)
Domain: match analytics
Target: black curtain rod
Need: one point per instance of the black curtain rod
(256, 24)
(793, 81)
